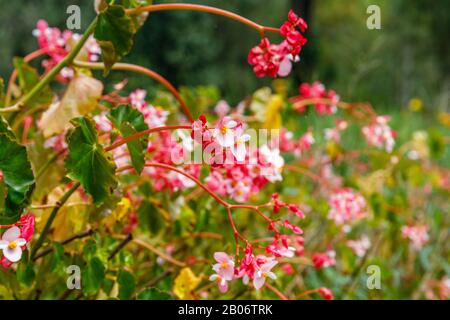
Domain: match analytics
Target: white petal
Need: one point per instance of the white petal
(239, 152)
(231, 124)
(21, 242)
(3, 244)
(258, 282)
(13, 255)
(228, 139)
(11, 234)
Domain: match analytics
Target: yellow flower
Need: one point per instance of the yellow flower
(444, 118)
(273, 109)
(185, 282)
(415, 104)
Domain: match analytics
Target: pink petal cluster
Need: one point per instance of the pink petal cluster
(417, 234)
(380, 134)
(317, 90)
(359, 246)
(274, 60)
(334, 134)
(324, 259)
(57, 44)
(326, 293)
(346, 205)
(236, 172)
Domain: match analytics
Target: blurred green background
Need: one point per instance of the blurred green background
(409, 57)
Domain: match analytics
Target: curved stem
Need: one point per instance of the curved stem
(51, 218)
(143, 133)
(196, 7)
(138, 69)
(299, 103)
(29, 57)
(159, 253)
(187, 175)
(277, 292)
(54, 72)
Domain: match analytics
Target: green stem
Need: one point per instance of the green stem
(52, 217)
(52, 74)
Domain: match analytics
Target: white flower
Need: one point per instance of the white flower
(239, 150)
(263, 273)
(224, 133)
(11, 244)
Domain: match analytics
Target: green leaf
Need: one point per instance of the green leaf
(114, 33)
(153, 294)
(93, 276)
(149, 218)
(88, 162)
(17, 175)
(138, 19)
(127, 285)
(28, 78)
(25, 273)
(129, 121)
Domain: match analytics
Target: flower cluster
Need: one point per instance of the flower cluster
(346, 205)
(379, 134)
(236, 170)
(327, 100)
(57, 44)
(359, 246)
(15, 239)
(334, 134)
(417, 234)
(324, 259)
(256, 268)
(275, 60)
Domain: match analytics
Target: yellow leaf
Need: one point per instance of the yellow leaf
(273, 116)
(120, 212)
(185, 283)
(80, 98)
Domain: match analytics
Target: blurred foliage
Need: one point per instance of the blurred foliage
(409, 57)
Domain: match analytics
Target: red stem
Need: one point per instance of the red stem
(276, 291)
(143, 133)
(31, 56)
(196, 7)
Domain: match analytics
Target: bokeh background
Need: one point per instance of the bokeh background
(408, 58)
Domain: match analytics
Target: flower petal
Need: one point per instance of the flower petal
(3, 244)
(14, 254)
(258, 282)
(221, 257)
(11, 234)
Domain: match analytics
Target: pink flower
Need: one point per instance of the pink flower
(27, 223)
(379, 134)
(418, 235)
(317, 90)
(12, 243)
(224, 266)
(326, 293)
(264, 272)
(346, 205)
(294, 228)
(221, 282)
(224, 132)
(267, 58)
(294, 38)
(324, 259)
(222, 108)
(360, 246)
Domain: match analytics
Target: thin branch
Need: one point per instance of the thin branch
(120, 246)
(159, 253)
(139, 69)
(277, 292)
(51, 218)
(68, 240)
